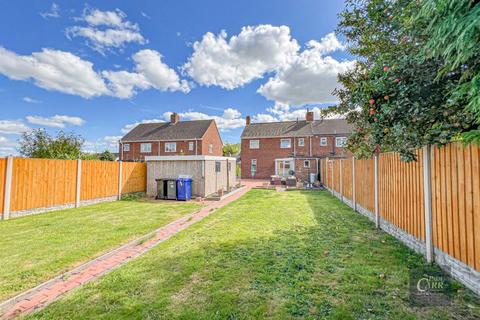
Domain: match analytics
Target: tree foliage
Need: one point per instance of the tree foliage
(400, 96)
(106, 156)
(231, 149)
(38, 143)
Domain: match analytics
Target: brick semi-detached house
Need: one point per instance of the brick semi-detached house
(174, 138)
(282, 148)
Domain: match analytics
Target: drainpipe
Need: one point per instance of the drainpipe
(120, 154)
(294, 148)
(196, 147)
(159, 148)
(310, 145)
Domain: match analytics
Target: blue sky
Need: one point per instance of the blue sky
(98, 68)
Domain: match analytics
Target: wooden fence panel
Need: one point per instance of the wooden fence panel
(99, 179)
(329, 174)
(347, 178)
(336, 175)
(40, 183)
(365, 183)
(322, 171)
(401, 193)
(456, 202)
(134, 177)
(3, 168)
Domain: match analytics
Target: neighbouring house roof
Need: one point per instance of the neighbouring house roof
(297, 128)
(182, 130)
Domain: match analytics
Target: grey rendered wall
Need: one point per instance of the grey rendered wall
(171, 169)
(222, 180)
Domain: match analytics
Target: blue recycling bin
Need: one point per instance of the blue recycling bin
(184, 189)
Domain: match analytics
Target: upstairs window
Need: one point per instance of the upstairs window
(146, 147)
(323, 142)
(254, 144)
(210, 148)
(285, 143)
(340, 142)
(170, 147)
(301, 142)
(126, 147)
(190, 146)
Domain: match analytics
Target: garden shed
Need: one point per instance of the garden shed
(209, 173)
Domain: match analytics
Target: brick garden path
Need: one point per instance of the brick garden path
(47, 292)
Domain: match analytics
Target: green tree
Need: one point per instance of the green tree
(453, 29)
(37, 143)
(394, 96)
(106, 156)
(231, 149)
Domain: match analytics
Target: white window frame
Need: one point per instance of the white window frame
(210, 148)
(340, 142)
(190, 146)
(144, 149)
(301, 142)
(323, 141)
(305, 162)
(253, 163)
(168, 147)
(285, 140)
(126, 147)
(254, 144)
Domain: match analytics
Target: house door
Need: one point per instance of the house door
(283, 167)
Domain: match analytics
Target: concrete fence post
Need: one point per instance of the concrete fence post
(79, 183)
(427, 185)
(354, 198)
(7, 189)
(120, 182)
(377, 202)
(341, 180)
(326, 172)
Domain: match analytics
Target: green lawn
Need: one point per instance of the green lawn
(277, 255)
(36, 248)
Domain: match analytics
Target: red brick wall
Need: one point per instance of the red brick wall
(270, 150)
(212, 136)
(303, 173)
(135, 155)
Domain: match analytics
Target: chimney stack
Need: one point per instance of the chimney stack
(174, 118)
(247, 120)
(309, 115)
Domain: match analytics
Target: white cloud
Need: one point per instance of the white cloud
(231, 63)
(106, 30)
(263, 117)
(31, 100)
(130, 126)
(13, 127)
(109, 143)
(54, 70)
(149, 64)
(7, 147)
(57, 121)
(54, 12)
(310, 78)
(151, 72)
(230, 119)
(283, 112)
(124, 84)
